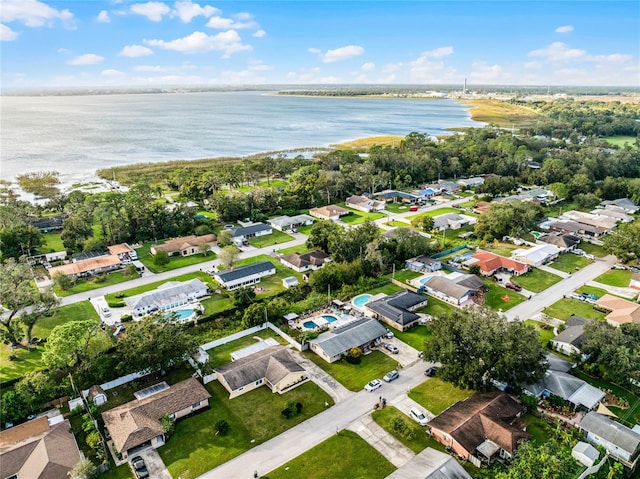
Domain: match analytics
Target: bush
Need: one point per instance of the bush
(352, 360)
(161, 258)
(100, 278)
(286, 412)
(125, 318)
(222, 427)
(401, 427)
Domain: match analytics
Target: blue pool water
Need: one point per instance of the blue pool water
(183, 314)
(329, 318)
(309, 324)
(359, 301)
(424, 281)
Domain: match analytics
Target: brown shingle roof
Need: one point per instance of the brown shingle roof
(329, 211)
(85, 266)
(622, 311)
(119, 248)
(315, 258)
(178, 244)
(138, 421)
(493, 416)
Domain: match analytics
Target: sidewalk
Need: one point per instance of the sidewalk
(396, 453)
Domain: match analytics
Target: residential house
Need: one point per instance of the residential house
(430, 192)
(184, 246)
(430, 464)
(569, 341)
(538, 255)
(585, 454)
(423, 263)
(614, 212)
(363, 333)
(491, 263)
(291, 223)
(448, 186)
(242, 234)
(290, 282)
(603, 222)
(245, 275)
(395, 196)
(619, 441)
(362, 203)
(88, 267)
(274, 367)
(137, 424)
(471, 182)
(537, 195)
(304, 262)
(576, 229)
(454, 288)
(329, 212)
(167, 296)
(568, 387)
(123, 251)
(621, 310)
(42, 448)
(452, 221)
(397, 310)
(625, 203)
(561, 241)
(481, 428)
(634, 282)
(50, 223)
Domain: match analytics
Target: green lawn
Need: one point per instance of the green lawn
(405, 275)
(254, 418)
(277, 237)
(206, 214)
(615, 277)
(52, 243)
(436, 307)
(564, 308)
(436, 395)
(217, 303)
(272, 285)
(355, 376)
(594, 249)
(538, 427)
(398, 224)
(599, 292)
(420, 440)
(27, 360)
(438, 212)
(222, 354)
(500, 298)
(120, 472)
(305, 230)
(503, 249)
(397, 207)
(387, 289)
(175, 262)
(72, 312)
(343, 455)
(545, 332)
(300, 249)
(90, 284)
(358, 217)
(536, 280)
(621, 140)
(114, 301)
(414, 337)
(569, 263)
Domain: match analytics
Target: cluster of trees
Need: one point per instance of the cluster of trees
(509, 218)
(624, 242)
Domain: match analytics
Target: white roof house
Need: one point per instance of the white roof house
(471, 182)
(167, 296)
(452, 221)
(537, 255)
(245, 275)
(585, 454)
(285, 223)
(620, 442)
(363, 333)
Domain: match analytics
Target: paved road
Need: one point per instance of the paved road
(289, 445)
(536, 304)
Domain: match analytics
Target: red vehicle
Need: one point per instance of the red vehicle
(413, 208)
(512, 286)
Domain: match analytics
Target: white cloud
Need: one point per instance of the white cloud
(6, 34)
(63, 50)
(438, 52)
(259, 65)
(338, 54)
(33, 13)
(392, 67)
(259, 34)
(221, 23)
(86, 59)
(186, 10)
(330, 79)
(135, 51)
(483, 73)
(150, 68)
(559, 52)
(113, 73)
(228, 42)
(367, 67)
(103, 17)
(152, 10)
(534, 64)
(564, 29)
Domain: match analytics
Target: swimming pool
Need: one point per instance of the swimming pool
(309, 325)
(320, 321)
(183, 314)
(424, 280)
(329, 318)
(360, 300)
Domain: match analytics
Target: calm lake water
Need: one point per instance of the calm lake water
(76, 135)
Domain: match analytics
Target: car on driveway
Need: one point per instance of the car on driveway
(139, 468)
(418, 416)
(391, 348)
(389, 334)
(513, 286)
(391, 376)
(373, 385)
(430, 371)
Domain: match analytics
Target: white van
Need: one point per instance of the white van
(103, 309)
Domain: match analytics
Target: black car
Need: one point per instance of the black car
(431, 371)
(139, 468)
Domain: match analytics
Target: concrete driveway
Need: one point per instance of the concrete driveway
(407, 356)
(156, 467)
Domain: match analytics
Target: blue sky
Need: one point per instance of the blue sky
(191, 42)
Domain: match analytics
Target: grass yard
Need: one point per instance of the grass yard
(621, 140)
(277, 237)
(357, 460)
(120, 472)
(615, 277)
(502, 113)
(207, 214)
(570, 263)
(72, 312)
(175, 262)
(406, 274)
(27, 360)
(414, 337)
(503, 249)
(359, 217)
(195, 448)
(300, 249)
(599, 292)
(436, 395)
(397, 207)
(538, 427)
(500, 298)
(564, 308)
(355, 376)
(398, 224)
(436, 307)
(420, 440)
(52, 243)
(594, 249)
(536, 280)
(216, 303)
(438, 212)
(90, 284)
(115, 299)
(387, 289)
(305, 230)
(545, 332)
(222, 354)
(272, 285)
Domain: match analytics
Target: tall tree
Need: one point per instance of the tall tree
(19, 240)
(477, 345)
(544, 461)
(68, 345)
(624, 242)
(511, 218)
(19, 295)
(228, 255)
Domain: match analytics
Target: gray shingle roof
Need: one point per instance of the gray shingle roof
(244, 271)
(611, 431)
(166, 294)
(397, 306)
(247, 230)
(353, 334)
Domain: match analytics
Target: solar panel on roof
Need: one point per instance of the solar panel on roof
(151, 390)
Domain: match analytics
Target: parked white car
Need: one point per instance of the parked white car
(418, 416)
(373, 385)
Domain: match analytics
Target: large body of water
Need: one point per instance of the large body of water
(76, 135)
